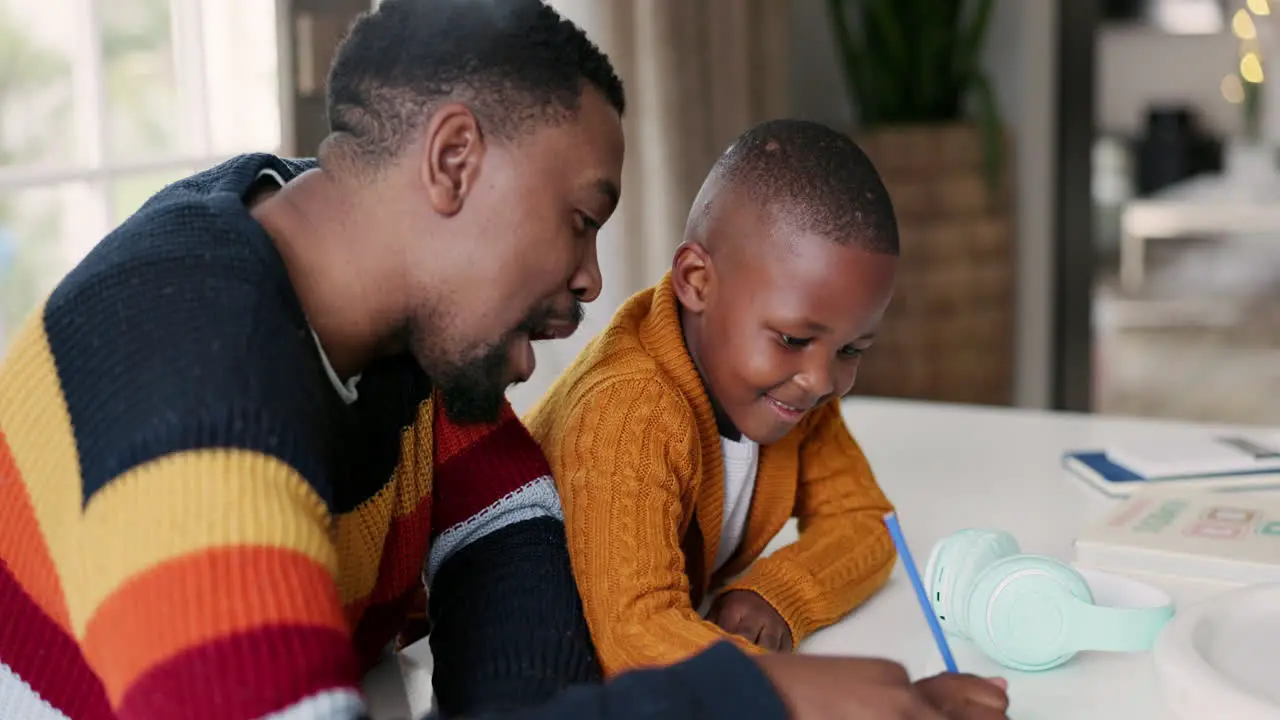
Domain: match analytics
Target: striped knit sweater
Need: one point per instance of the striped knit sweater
(195, 523)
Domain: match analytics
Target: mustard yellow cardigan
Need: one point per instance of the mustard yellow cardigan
(634, 448)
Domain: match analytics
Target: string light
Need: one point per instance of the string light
(1232, 89)
(1242, 25)
(1251, 68)
(1259, 7)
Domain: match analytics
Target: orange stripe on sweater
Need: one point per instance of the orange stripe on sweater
(42, 452)
(187, 503)
(204, 597)
(22, 545)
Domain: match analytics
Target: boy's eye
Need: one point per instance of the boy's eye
(793, 341)
(851, 351)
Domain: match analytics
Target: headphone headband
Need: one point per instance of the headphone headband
(1127, 617)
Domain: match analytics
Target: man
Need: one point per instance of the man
(228, 434)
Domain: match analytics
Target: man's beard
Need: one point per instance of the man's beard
(473, 390)
(473, 386)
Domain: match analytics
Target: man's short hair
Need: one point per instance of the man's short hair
(512, 62)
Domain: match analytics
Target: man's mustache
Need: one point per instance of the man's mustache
(540, 320)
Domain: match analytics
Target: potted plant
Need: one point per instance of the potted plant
(919, 62)
(928, 118)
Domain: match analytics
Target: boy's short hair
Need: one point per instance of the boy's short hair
(814, 178)
(514, 63)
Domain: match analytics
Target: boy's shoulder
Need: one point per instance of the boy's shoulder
(620, 364)
(614, 364)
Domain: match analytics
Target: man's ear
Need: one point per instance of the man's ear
(692, 275)
(452, 150)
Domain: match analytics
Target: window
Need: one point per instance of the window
(103, 103)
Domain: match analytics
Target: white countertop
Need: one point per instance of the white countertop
(947, 467)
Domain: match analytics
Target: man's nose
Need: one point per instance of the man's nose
(586, 283)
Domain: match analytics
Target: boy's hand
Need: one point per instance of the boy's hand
(745, 613)
(822, 688)
(951, 693)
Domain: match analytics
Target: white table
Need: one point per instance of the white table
(1202, 205)
(947, 467)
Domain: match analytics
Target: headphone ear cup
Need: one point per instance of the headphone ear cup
(938, 575)
(954, 566)
(1019, 610)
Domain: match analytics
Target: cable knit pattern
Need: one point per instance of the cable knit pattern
(632, 442)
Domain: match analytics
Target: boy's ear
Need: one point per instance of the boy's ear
(691, 276)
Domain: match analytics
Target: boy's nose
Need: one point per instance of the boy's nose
(818, 380)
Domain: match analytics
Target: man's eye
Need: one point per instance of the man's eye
(585, 224)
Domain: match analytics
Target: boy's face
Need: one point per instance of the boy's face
(777, 320)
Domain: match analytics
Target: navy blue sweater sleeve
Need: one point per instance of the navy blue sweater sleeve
(507, 625)
(720, 684)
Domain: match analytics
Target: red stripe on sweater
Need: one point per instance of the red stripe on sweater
(452, 439)
(33, 645)
(497, 465)
(403, 553)
(380, 624)
(244, 676)
(202, 597)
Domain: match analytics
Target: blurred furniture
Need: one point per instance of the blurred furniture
(1206, 205)
(1173, 148)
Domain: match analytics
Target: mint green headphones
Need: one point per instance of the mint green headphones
(1030, 612)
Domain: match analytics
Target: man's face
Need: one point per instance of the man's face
(526, 231)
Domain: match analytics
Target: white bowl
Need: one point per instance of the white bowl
(1221, 658)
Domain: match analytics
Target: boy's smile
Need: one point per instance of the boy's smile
(775, 318)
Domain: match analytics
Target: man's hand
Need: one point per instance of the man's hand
(817, 688)
(745, 613)
(950, 692)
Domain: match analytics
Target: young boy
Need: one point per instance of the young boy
(707, 413)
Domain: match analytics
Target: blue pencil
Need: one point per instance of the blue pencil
(895, 531)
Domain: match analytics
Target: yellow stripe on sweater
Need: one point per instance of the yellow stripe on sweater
(362, 532)
(189, 502)
(37, 427)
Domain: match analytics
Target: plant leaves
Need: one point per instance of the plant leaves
(852, 51)
(992, 129)
(972, 38)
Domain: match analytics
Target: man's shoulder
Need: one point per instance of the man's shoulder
(181, 331)
(181, 285)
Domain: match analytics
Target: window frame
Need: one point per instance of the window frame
(92, 165)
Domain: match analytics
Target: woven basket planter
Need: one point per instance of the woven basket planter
(949, 332)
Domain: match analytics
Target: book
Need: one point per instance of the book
(1096, 468)
(1207, 454)
(1226, 538)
